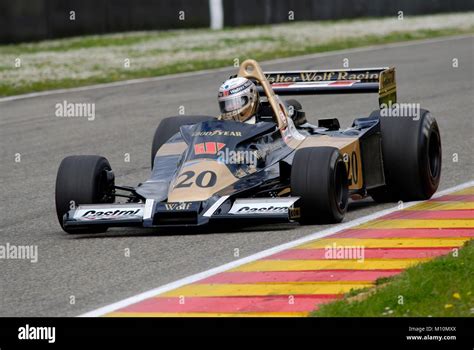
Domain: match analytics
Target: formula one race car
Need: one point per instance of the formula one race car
(279, 169)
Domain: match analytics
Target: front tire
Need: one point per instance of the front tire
(319, 177)
(170, 126)
(83, 180)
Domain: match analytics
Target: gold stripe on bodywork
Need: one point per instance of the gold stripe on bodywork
(170, 149)
(330, 141)
(347, 145)
(387, 87)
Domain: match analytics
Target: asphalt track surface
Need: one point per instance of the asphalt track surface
(94, 269)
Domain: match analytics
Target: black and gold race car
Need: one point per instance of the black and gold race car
(280, 168)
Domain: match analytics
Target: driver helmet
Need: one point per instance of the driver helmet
(238, 99)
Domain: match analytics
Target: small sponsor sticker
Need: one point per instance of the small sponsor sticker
(89, 214)
(208, 147)
(269, 206)
(177, 206)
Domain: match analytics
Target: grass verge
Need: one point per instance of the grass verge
(442, 287)
(79, 61)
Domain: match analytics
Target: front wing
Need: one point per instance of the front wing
(159, 214)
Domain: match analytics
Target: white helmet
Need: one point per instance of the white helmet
(238, 99)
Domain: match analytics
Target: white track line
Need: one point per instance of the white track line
(199, 276)
(230, 69)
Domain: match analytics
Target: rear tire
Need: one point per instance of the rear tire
(411, 153)
(83, 180)
(319, 177)
(297, 113)
(170, 126)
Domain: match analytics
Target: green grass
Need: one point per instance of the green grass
(84, 42)
(442, 287)
(279, 50)
(25, 86)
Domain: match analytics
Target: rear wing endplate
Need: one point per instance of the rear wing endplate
(344, 81)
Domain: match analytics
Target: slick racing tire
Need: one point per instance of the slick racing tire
(411, 153)
(83, 180)
(170, 126)
(319, 177)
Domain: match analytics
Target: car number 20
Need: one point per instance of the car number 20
(352, 167)
(206, 178)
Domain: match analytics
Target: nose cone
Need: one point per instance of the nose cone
(198, 181)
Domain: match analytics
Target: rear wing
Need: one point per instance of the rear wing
(344, 81)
